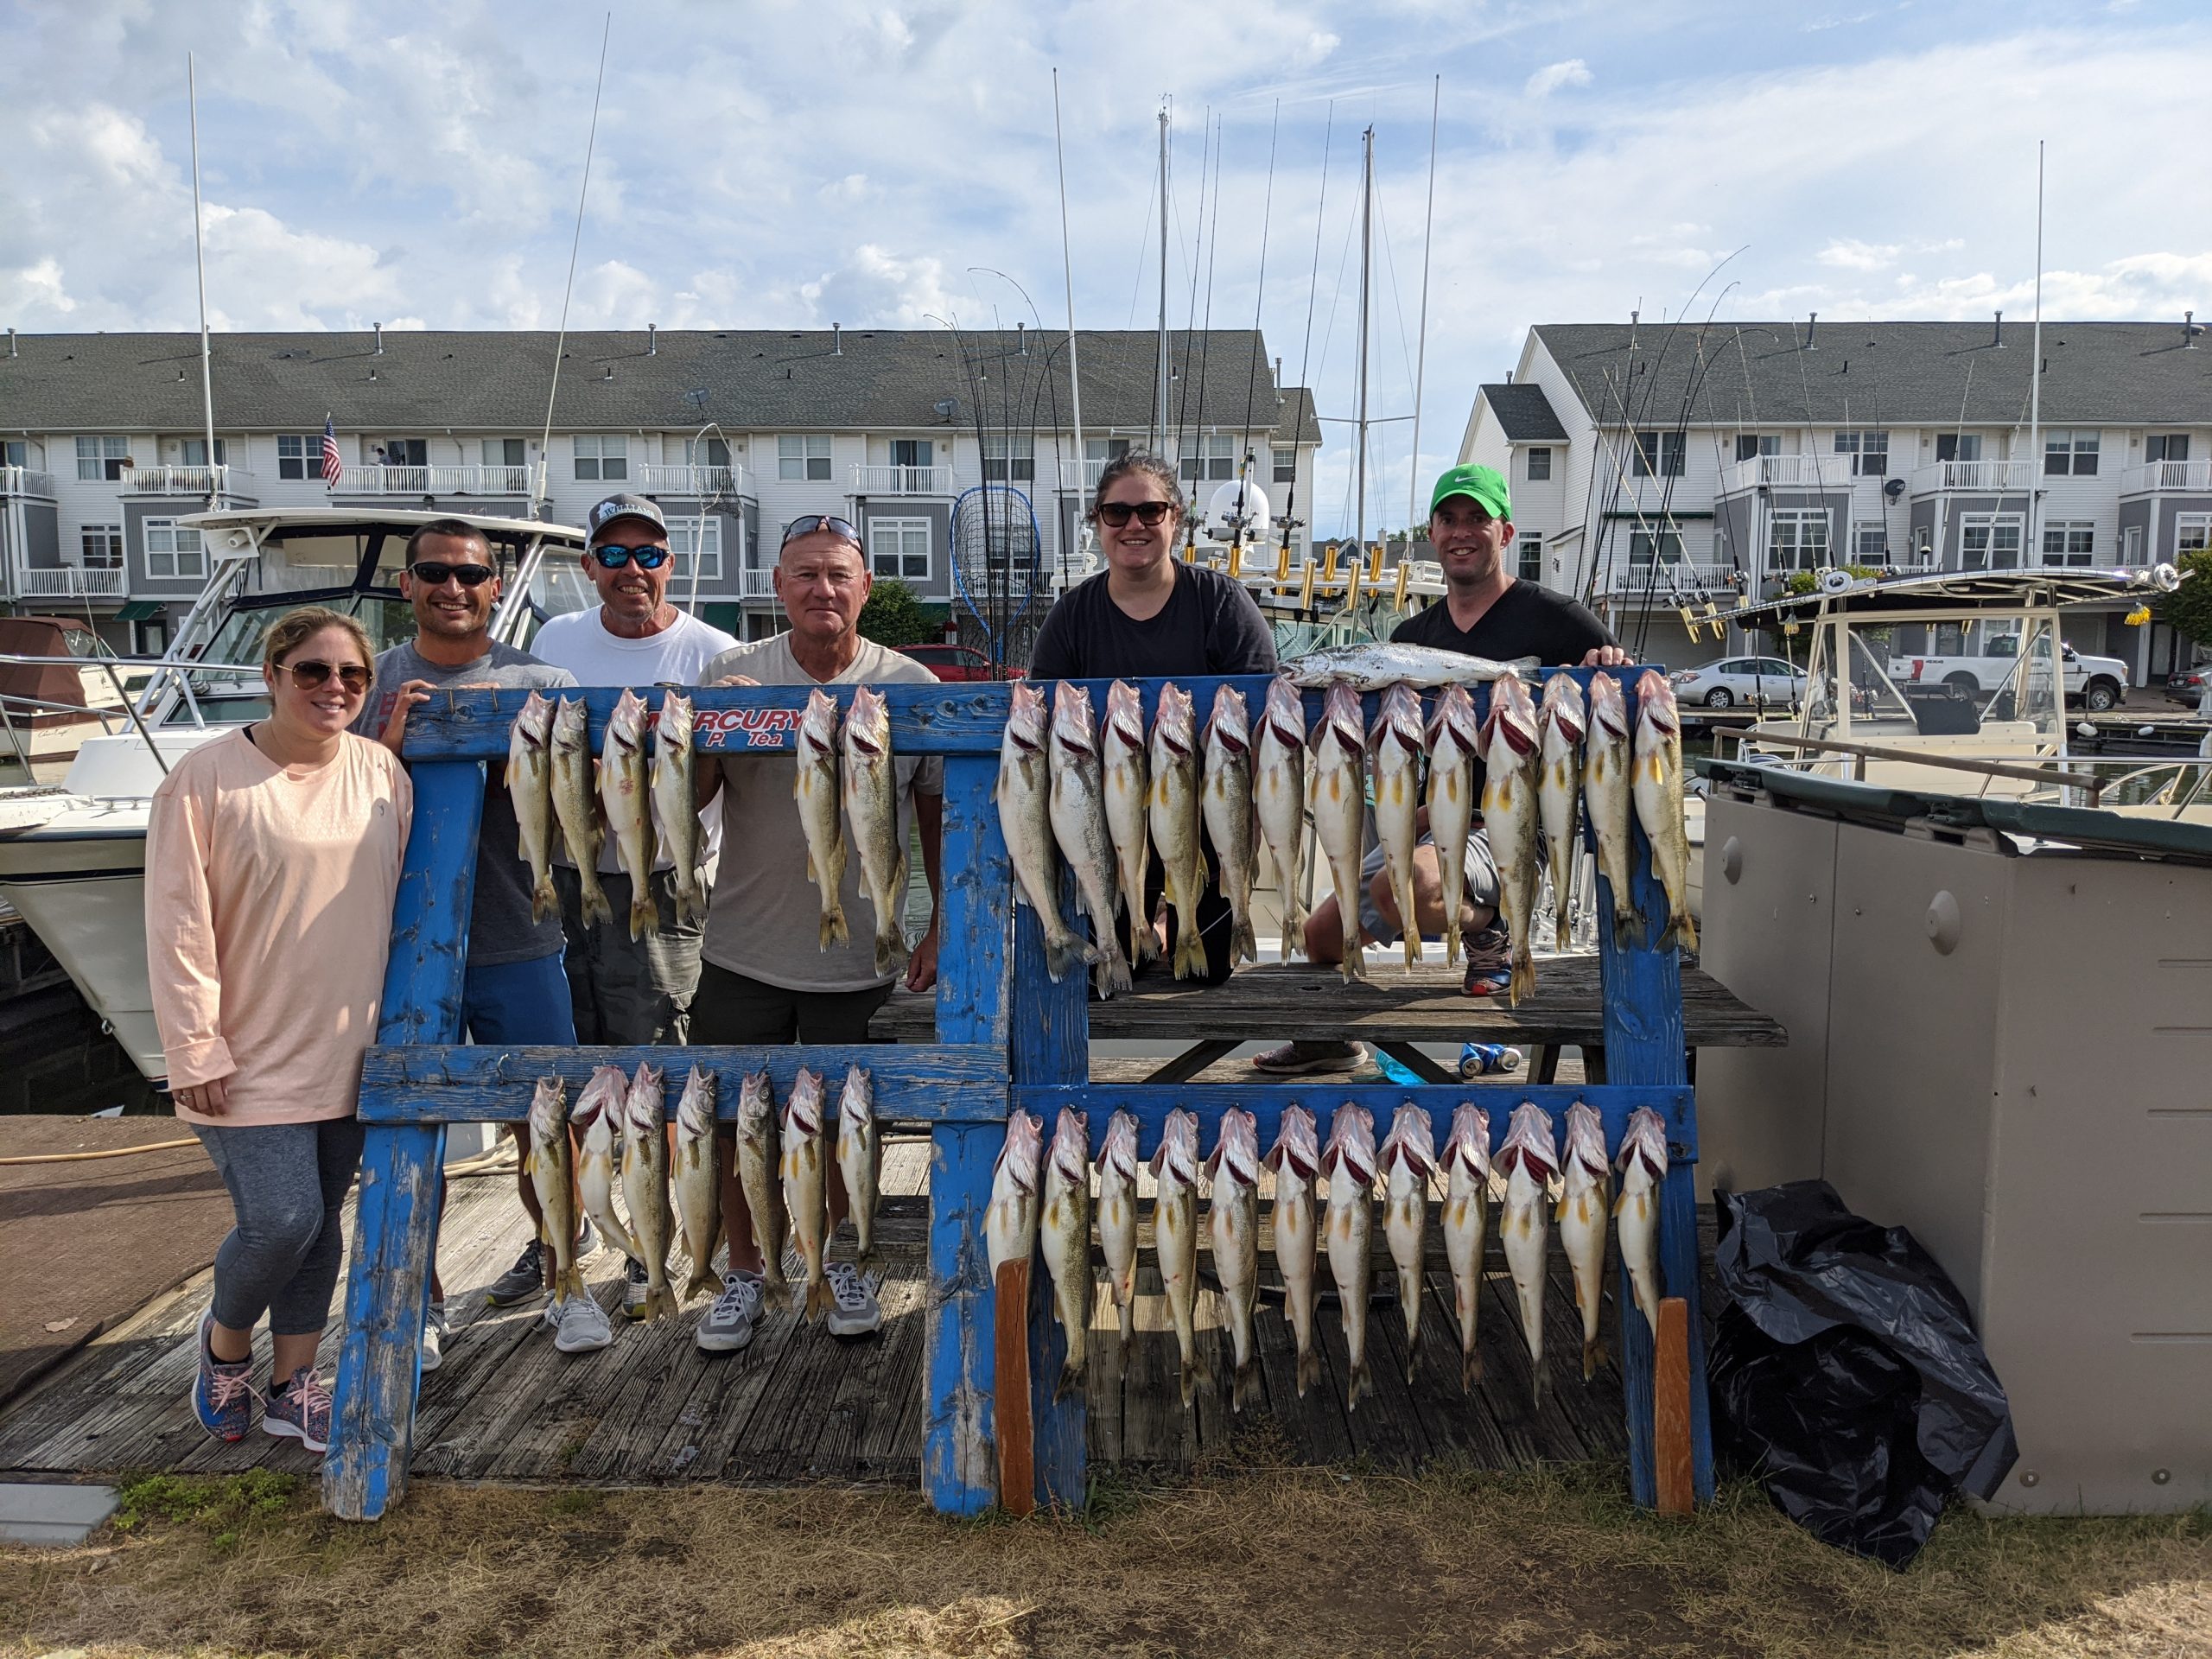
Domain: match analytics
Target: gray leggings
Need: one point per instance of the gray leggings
(288, 1185)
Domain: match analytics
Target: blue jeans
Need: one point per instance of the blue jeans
(515, 1004)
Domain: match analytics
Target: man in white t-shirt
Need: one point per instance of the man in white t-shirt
(766, 976)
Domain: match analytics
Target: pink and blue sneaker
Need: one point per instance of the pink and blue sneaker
(222, 1393)
(300, 1410)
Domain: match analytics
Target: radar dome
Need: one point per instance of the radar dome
(1237, 504)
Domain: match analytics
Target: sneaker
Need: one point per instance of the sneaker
(222, 1395)
(1293, 1059)
(728, 1325)
(300, 1410)
(636, 1286)
(521, 1282)
(435, 1331)
(854, 1311)
(579, 1325)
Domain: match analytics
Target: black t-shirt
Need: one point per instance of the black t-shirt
(1209, 625)
(1528, 620)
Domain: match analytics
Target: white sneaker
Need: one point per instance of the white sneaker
(579, 1325)
(728, 1325)
(436, 1330)
(854, 1311)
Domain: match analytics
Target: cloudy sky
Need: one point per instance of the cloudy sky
(789, 164)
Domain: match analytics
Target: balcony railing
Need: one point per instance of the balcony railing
(68, 581)
(23, 480)
(693, 480)
(759, 584)
(2195, 476)
(434, 480)
(185, 480)
(1978, 477)
(1809, 472)
(902, 480)
(1672, 578)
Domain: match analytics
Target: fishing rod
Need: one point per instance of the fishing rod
(1313, 288)
(1067, 271)
(1421, 359)
(1252, 379)
(575, 245)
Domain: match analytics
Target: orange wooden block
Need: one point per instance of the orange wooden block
(1017, 1448)
(1670, 1410)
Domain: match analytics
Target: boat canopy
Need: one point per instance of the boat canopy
(2040, 589)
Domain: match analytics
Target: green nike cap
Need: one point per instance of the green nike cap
(1486, 483)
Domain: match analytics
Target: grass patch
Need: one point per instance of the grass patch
(225, 1508)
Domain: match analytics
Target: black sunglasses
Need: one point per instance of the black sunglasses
(814, 521)
(308, 675)
(1114, 514)
(612, 556)
(435, 572)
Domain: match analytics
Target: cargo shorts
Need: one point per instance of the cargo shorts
(626, 991)
(1480, 871)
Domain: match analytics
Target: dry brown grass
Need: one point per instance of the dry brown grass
(1266, 1560)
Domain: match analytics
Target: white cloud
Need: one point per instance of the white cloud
(1552, 76)
(879, 289)
(1850, 254)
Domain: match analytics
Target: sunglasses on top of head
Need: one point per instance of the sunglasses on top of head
(612, 556)
(352, 676)
(436, 573)
(1114, 514)
(814, 521)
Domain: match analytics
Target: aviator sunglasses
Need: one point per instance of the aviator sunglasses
(814, 521)
(353, 677)
(435, 572)
(612, 556)
(1114, 514)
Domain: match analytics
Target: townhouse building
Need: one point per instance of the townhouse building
(735, 433)
(1656, 468)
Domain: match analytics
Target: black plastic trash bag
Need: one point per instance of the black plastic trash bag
(1846, 1373)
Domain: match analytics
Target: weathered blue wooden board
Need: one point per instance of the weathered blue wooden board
(915, 1083)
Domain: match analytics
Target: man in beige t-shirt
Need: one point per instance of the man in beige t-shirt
(764, 975)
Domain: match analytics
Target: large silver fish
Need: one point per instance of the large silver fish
(871, 789)
(1128, 803)
(804, 1171)
(1561, 722)
(1225, 802)
(696, 1182)
(1117, 1214)
(675, 806)
(860, 1157)
(1466, 1201)
(1399, 751)
(549, 1161)
(1080, 826)
(815, 788)
(1454, 745)
(644, 1183)
(1296, 1161)
(1010, 1224)
(530, 788)
(626, 802)
(1337, 787)
(759, 1178)
(1407, 1157)
(600, 1109)
(1530, 1158)
(1063, 1224)
(576, 804)
(1023, 794)
(1348, 1225)
(1636, 1212)
(1510, 816)
(1233, 1229)
(1375, 663)
(1279, 799)
(1658, 792)
(1587, 1192)
(1175, 1236)
(1174, 765)
(1606, 768)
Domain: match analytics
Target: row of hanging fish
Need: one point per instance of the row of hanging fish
(621, 1145)
(1325, 1206)
(646, 803)
(847, 786)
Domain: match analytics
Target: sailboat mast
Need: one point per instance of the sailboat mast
(1067, 271)
(1421, 352)
(200, 261)
(2031, 548)
(1366, 249)
(1160, 416)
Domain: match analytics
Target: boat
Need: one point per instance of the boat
(59, 683)
(72, 855)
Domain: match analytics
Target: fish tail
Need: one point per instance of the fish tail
(645, 914)
(1452, 948)
(660, 1303)
(595, 907)
(702, 1279)
(1471, 1367)
(1309, 1368)
(1190, 951)
(544, 899)
(1071, 1376)
(1560, 940)
(890, 951)
(1359, 1382)
(1065, 953)
(1680, 930)
(1114, 965)
(1536, 1394)
(817, 1298)
(1524, 974)
(834, 930)
(1129, 1316)
(1190, 1378)
(1243, 945)
(569, 1282)
(1594, 1356)
(1240, 1388)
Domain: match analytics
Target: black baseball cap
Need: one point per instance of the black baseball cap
(623, 506)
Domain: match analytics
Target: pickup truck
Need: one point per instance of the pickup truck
(2097, 684)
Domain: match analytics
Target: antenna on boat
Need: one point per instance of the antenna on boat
(1421, 352)
(200, 260)
(2032, 547)
(1067, 271)
(561, 337)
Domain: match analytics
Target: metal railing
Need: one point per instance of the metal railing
(1673, 577)
(25, 481)
(68, 581)
(2194, 475)
(185, 480)
(902, 480)
(1803, 471)
(1989, 477)
(434, 480)
(693, 480)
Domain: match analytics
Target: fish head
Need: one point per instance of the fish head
(534, 720)
(1529, 1141)
(1351, 1142)
(756, 1104)
(1283, 716)
(644, 1108)
(1230, 725)
(626, 726)
(571, 722)
(1026, 726)
(1563, 712)
(1398, 720)
(1124, 717)
(1072, 726)
(1022, 1153)
(803, 1111)
(1645, 1139)
(1585, 1138)
(1655, 704)
(694, 1111)
(1174, 726)
(1470, 1141)
(1453, 725)
(1411, 1142)
(817, 726)
(1297, 1151)
(857, 1102)
(1510, 736)
(1176, 1160)
(1341, 718)
(1119, 1151)
(548, 1111)
(1236, 1160)
(1608, 708)
(601, 1099)
(673, 727)
(1072, 1145)
(867, 724)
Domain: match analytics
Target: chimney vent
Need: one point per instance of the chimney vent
(1998, 337)
(11, 341)
(837, 339)
(2190, 328)
(1021, 339)
(609, 375)
(1812, 322)
(379, 329)
(652, 340)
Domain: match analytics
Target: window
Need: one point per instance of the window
(2166, 446)
(803, 457)
(1990, 541)
(1530, 544)
(1211, 454)
(687, 533)
(1663, 453)
(1539, 462)
(1869, 542)
(1104, 450)
(1923, 544)
(195, 452)
(1643, 548)
(103, 547)
(1869, 452)
(2074, 453)
(913, 452)
(1285, 459)
(606, 458)
(2068, 541)
(299, 455)
(15, 452)
(502, 452)
(102, 458)
(899, 547)
(1008, 459)
(1798, 539)
(706, 452)
(409, 452)
(173, 549)
(1958, 446)
(2192, 532)
(1750, 446)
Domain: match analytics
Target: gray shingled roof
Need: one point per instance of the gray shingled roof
(1882, 374)
(1524, 413)
(873, 380)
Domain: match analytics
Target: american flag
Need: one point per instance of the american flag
(333, 464)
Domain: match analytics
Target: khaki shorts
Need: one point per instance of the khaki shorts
(627, 992)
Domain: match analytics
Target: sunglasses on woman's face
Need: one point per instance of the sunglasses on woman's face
(612, 556)
(1114, 514)
(352, 676)
(432, 573)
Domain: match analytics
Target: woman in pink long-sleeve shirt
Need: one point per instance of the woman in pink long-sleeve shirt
(272, 856)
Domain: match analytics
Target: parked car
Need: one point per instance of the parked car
(2187, 686)
(2098, 683)
(1751, 680)
(956, 663)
